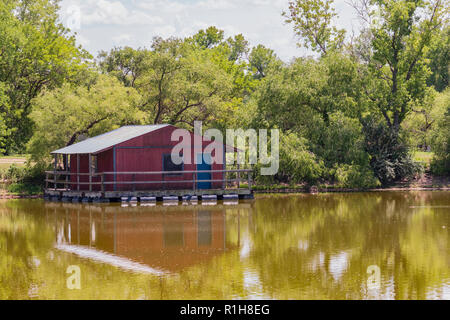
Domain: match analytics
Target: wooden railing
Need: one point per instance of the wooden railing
(53, 179)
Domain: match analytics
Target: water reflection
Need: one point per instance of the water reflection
(167, 240)
(277, 247)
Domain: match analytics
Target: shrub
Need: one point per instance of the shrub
(297, 163)
(28, 179)
(340, 142)
(24, 188)
(356, 176)
(14, 173)
(440, 144)
(390, 159)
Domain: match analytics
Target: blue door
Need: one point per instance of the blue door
(202, 165)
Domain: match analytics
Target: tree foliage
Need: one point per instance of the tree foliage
(65, 115)
(306, 87)
(439, 56)
(37, 52)
(312, 20)
(262, 60)
(440, 135)
(390, 159)
(346, 115)
(400, 35)
(182, 80)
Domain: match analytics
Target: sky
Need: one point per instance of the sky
(104, 24)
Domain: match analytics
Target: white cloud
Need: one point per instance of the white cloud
(109, 12)
(165, 31)
(108, 23)
(217, 4)
(122, 39)
(83, 41)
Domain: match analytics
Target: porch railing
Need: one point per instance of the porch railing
(61, 180)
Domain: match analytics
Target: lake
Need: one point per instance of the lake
(378, 245)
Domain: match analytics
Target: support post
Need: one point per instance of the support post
(54, 171)
(78, 172)
(46, 181)
(66, 169)
(249, 181)
(103, 182)
(90, 172)
(238, 173)
(193, 179)
(224, 167)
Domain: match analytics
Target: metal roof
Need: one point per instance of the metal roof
(108, 140)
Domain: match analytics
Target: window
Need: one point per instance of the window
(168, 165)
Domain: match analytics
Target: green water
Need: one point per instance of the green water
(387, 245)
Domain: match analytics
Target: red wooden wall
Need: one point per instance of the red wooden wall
(142, 154)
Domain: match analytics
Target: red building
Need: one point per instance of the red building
(135, 158)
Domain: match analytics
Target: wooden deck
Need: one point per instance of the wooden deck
(113, 196)
(67, 190)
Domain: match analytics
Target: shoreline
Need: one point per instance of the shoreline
(11, 196)
(349, 190)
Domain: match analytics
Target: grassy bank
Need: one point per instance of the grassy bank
(19, 179)
(424, 182)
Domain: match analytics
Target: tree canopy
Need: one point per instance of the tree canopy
(37, 52)
(77, 112)
(350, 114)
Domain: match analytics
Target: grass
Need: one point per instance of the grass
(264, 187)
(23, 189)
(16, 156)
(423, 157)
(5, 163)
(5, 166)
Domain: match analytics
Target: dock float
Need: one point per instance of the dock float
(149, 196)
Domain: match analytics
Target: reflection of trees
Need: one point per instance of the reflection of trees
(33, 228)
(21, 239)
(297, 247)
(320, 246)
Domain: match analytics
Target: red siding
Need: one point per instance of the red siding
(142, 154)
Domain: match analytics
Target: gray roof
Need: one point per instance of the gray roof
(108, 140)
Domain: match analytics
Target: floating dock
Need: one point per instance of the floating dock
(147, 196)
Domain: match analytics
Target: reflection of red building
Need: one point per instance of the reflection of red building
(169, 241)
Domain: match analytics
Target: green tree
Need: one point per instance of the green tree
(180, 81)
(239, 47)
(261, 60)
(401, 33)
(37, 52)
(389, 154)
(126, 64)
(312, 23)
(4, 101)
(182, 84)
(440, 135)
(439, 56)
(306, 87)
(420, 123)
(62, 116)
(208, 38)
(297, 163)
